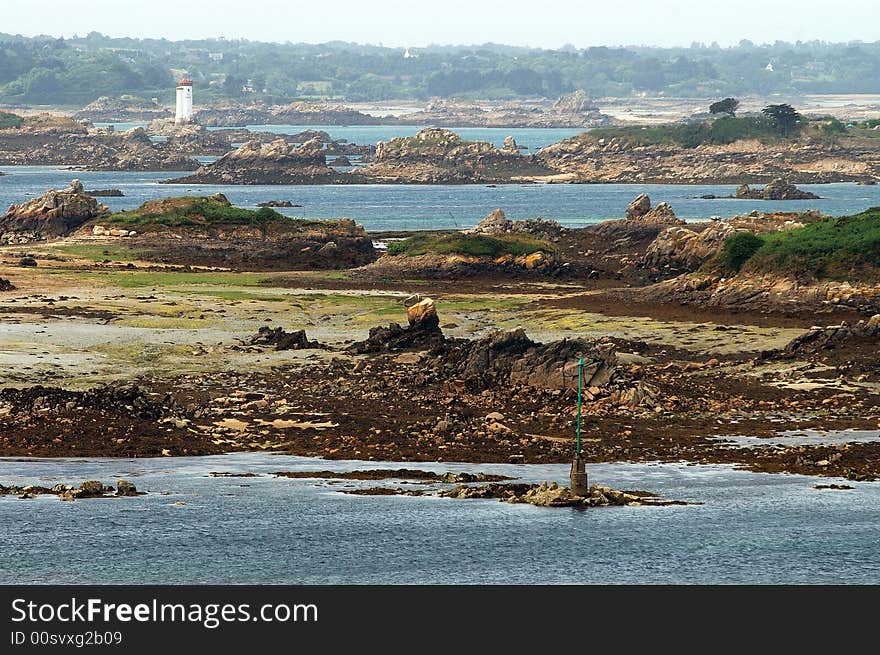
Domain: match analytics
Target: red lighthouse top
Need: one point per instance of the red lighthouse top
(185, 82)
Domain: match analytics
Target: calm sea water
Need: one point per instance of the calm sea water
(415, 207)
(192, 528)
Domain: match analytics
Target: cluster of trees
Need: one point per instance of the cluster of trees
(775, 122)
(77, 70)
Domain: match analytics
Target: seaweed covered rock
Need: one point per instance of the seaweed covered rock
(834, 336)
(282, 340)
(54, 214)
(512, 358)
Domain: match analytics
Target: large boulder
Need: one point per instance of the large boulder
(680, 249)
(421, 313)
(495, 223)
(54, 214)
(638, 207)
(640, 211)
(6, 285)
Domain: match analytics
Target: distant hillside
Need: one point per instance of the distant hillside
(43, 70)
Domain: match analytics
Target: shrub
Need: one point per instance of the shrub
(844, 248)
(739, 248)
(8, 120)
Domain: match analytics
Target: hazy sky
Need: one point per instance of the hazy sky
(410, 23)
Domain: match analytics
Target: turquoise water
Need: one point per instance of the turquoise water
(530, 137)
(415, 207)
(751, 528)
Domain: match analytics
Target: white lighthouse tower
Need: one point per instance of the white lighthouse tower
(184, 111)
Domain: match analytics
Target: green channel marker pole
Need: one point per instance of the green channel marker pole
(578, 477)
(580, 402)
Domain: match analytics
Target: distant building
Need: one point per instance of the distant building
(769, 67)
(215, 56)
(184, 111)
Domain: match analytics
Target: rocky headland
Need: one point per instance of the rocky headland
(52, 215)
(277, 162)
(619, 156)
(56, 141)
(439, 156)
(209, 231)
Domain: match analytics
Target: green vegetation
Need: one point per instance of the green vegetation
(844, 248)
(739, 248)
(689, 135)
(478, 245)
(47, 70)
(784, 119)
(98, 253)
(8, 120)
(161, 279)
(726, 106)
(193, 211)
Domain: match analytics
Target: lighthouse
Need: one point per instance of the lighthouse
(184, 102)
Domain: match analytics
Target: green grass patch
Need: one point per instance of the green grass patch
(196, 211)
(161, 279)
(10, 121)
(739, 248)
(98, 253)
(846, 248)
(478, 245)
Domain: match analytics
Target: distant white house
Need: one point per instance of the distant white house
(409, 55)
(769, 67)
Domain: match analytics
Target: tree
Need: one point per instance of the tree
(726, 106)
(783, 117)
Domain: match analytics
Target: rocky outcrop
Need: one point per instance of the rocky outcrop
(498, 223)
(761, 294)
(280, 339)
(511, 358)
(54, 214)
(618, 157)
(274, 163)
(510, 145)
(297, 113)
(640, 210)
(777, 189)
(121, 110)
(439, 156)
(495, 223)
(422, 332)
(572, 110)
(69, 492)
(834, 336)
(54, 143)
(680, 249)
(555, 495)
